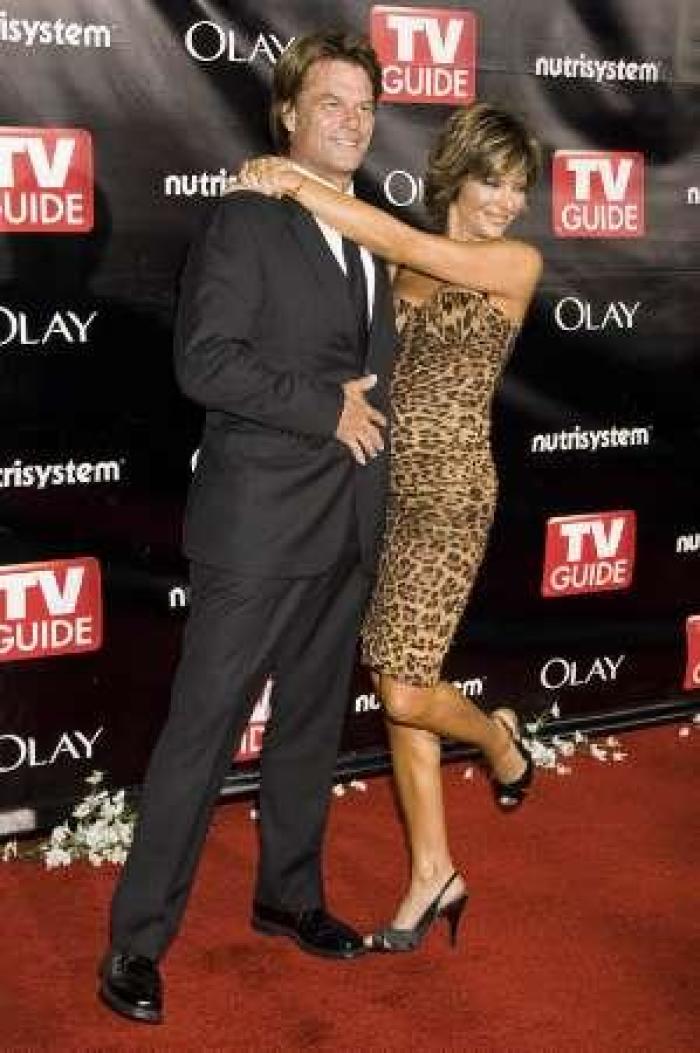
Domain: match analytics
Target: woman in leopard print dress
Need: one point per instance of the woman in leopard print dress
(460, 298)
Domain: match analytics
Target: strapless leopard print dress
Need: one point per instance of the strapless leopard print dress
(443, 485)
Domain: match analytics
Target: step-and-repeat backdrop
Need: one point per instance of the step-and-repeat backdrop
(119, 123)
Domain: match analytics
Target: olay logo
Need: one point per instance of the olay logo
(208, 41)
(598, 194)
(691, 681)
(34, 329)
(46, 181)
(16, 751)
(51, 608)
(251, 740)
(557, 672)
(428, 54)
(572, 314)
(589, 553)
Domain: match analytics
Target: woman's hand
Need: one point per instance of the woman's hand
(272, 176)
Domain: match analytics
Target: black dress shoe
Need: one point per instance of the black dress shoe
(130, 984)
(313, 929)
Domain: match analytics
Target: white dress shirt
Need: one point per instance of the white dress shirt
(335, 244)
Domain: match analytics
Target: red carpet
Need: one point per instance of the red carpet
(583, 931)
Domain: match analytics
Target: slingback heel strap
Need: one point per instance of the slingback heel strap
(391, 939)
(510, 795)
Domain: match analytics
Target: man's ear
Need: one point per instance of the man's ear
(289, 117)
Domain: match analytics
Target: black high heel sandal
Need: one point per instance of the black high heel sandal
(510, 795)
(391, 939)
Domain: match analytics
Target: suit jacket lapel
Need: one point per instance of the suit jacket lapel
(327, 271)
(332, 284)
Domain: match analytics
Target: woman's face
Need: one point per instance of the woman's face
(485, 208)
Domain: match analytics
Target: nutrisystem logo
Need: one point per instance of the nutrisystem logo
(46, 181)
(474, 688)
(428, 54)
(179, 598)
(367, 703)
(589, 553)
(598, 194)
(51, 608)
(19, 475)
(35, 32)
(687, 543)
(196, 184)
(590, 440)
(585, 68)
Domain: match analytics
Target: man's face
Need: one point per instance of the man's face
(331, 122)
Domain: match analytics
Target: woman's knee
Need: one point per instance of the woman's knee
(403, 703)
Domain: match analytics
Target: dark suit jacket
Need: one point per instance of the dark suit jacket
(264, 339)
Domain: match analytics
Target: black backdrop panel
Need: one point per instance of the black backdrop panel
(119, 123)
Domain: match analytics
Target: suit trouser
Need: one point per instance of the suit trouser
(303, 632)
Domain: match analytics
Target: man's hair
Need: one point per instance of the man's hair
(481, 141)
(297, 59)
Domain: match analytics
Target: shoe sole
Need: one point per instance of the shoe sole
(141, 1016)
(268, 928)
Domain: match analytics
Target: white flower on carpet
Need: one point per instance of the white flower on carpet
(99, 829)
(57, 857)
(9, 851)
(543, 756)
(550, 752)
(598, 752)
(546, 754)
(342, 788)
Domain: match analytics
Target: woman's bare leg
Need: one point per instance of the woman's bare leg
(416, 762)
(416, 719)
(445, 712)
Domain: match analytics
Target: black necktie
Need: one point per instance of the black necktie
(357, 287)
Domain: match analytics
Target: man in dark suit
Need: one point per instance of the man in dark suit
(285, 334)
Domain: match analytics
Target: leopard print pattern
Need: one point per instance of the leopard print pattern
(443, 485)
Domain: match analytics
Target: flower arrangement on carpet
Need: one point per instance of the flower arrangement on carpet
(99, 830)
(554, 752)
